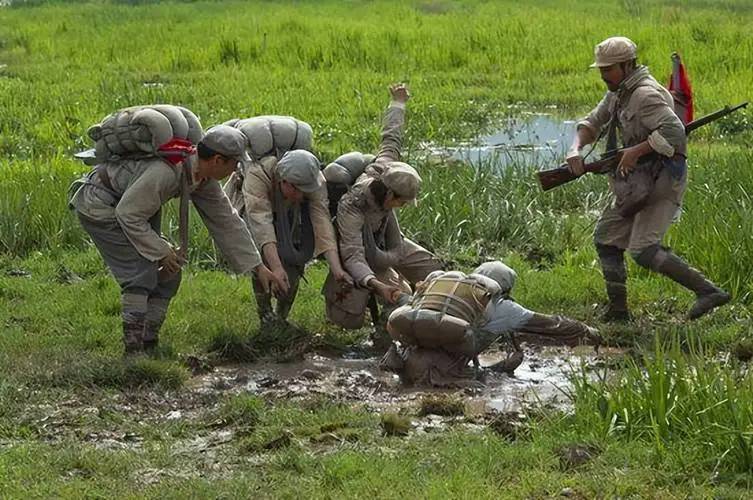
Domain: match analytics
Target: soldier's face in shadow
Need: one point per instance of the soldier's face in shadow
(393, 201)
(290, 192)
(613, 76)
(217, 167)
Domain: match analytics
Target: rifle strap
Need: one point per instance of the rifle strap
(611, 129)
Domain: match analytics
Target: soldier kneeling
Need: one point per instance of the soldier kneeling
(453, 317)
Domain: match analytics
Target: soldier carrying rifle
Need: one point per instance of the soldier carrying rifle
(648, 183)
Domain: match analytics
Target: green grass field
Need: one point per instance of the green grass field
(675, 420)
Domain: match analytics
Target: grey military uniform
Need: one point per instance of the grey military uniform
(644, 111)
(256, 189)
(360, 218)
(447, 364)
(438, 367)
(119, 205)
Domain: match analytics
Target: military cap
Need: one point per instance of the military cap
(402, 179)
(614, 50)
(302, 169)
(227, 141)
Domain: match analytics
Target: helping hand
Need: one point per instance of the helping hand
(399, 92)
(280, 282)
(270, 281)
(343, 278)
(389, 294)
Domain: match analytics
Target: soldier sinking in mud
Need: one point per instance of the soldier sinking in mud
(287, 212)
(453, 317)
(372, 247)
(119, 204)
(649, 182)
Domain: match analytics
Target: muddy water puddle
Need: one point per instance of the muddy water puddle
(126, 420)
(543, 377)
(526, 139)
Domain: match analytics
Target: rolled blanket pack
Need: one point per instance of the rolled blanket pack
(347, 167)
(342, 173)
(274, 135)
(141, 131)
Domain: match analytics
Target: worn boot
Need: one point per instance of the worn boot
(615, 277)
(155, 317)
(133, 331)
(509, 364)
(263, 305)
(708, 295)
(133, 313)
(285, 303)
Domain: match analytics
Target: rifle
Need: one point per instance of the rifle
(554, 177)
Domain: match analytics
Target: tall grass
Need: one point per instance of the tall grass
(480, 212)
(668, 397)
(465, 62)
(248, 58)
(465, 212)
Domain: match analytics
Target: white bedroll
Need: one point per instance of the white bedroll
(140, 131)
(273, 135)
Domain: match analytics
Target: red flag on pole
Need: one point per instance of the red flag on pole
(679, 87)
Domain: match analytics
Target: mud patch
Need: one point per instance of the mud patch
(541, 378)
(195, 427)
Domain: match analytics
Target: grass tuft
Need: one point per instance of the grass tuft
(242, 410)
(394, 424)
(668, 397)
(232, 346)
(152, 373)
(743, 349)
(441, 404)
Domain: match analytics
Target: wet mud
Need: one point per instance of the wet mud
(541, 378)
(126, 420)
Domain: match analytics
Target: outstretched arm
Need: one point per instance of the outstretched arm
(393, 124)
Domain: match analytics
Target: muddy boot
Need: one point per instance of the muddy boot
(708, 295)
(263, 305)
(133, 313)
(615, 277)
(155, 317)
(133, 334)
(617, 308)
(151, 337)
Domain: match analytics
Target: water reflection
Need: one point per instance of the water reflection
(528, 139)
